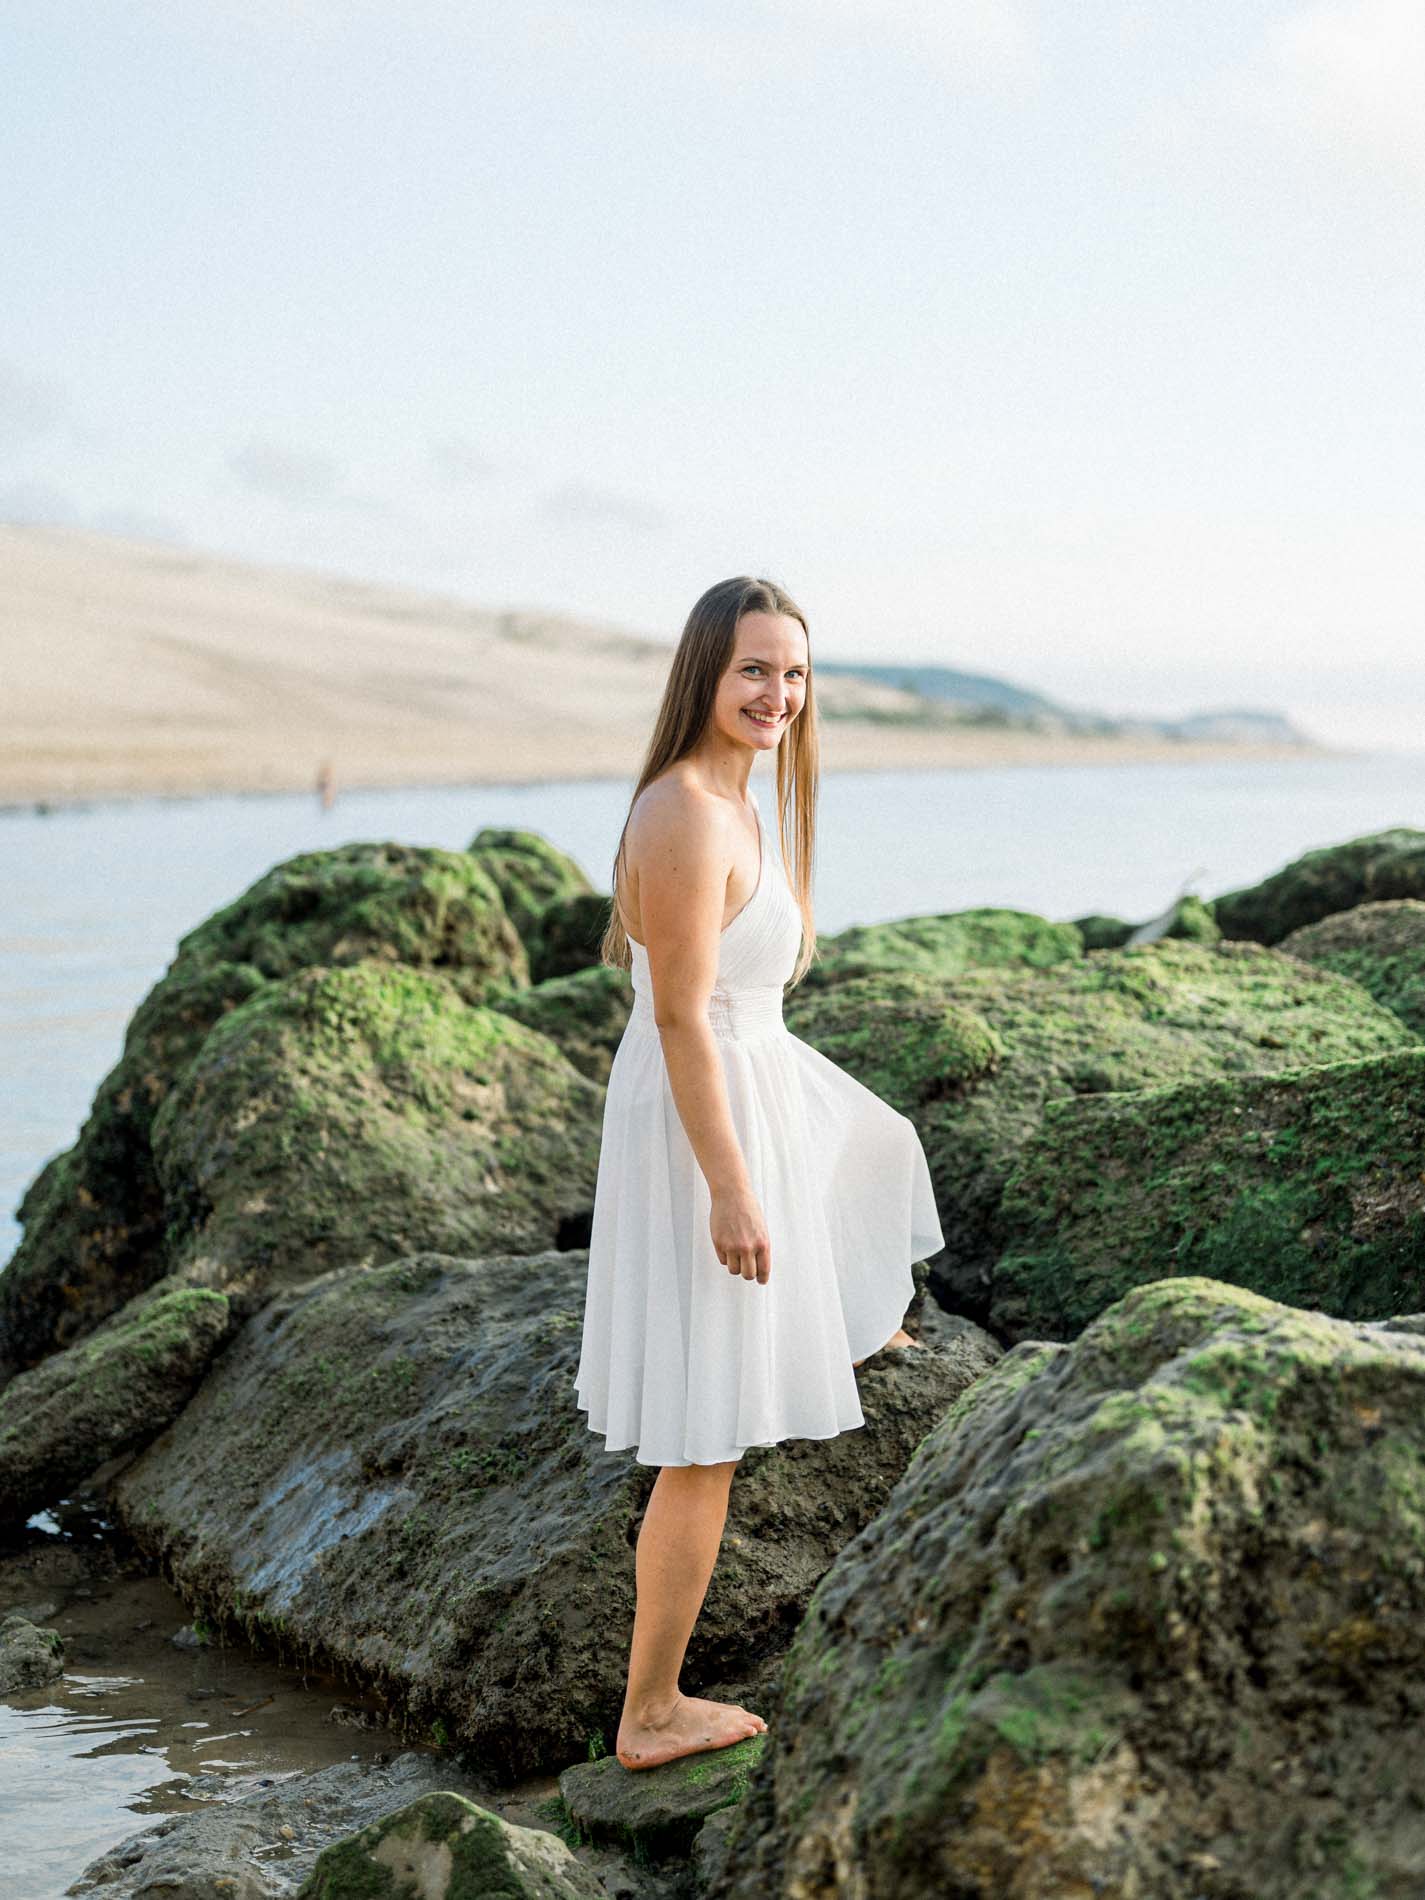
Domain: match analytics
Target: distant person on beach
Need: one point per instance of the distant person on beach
(757, 1209)
(326, 785)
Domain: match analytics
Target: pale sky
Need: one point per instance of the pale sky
(1078, 343)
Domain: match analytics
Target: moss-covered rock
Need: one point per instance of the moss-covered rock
(1191, 921)
(1382, 865)
(94, 1218)
(109, 1393)
(444, 1847)
(530, 874)
(1308, 1186)
(413, 905)
(29, 1656)
(585, 1014)
(1145, 1615)
(657, 1811)
(346, 1116)
(568, 935)
(900, 1034)
(1379, 946)
(1154, 1015)
(387, 1473)
(944, 946)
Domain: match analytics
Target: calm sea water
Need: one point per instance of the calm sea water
(93, 900)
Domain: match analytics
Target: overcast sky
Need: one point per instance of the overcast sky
(1080, 343)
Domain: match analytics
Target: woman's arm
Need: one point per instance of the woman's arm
(686, 855)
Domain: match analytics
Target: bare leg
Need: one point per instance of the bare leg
(677, 1548)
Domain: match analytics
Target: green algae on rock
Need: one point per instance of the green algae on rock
(1192, 922)
(1380, 946)
(1381, 865)
(1307, 1186)
(395, 903)
(1145, 1615)
(345, 1116)
(568, 936)
(386, 1472)
(443, 1847)
(94, 1217)
(109, 1393)
(1010, 1041)
(944, 946)
(584, 1014)
(657, 1811)
(529, 872)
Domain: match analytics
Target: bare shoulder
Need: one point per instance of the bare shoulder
(673, 817)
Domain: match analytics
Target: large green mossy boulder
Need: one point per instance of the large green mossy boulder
(1145, 1616)
(1006, 1042)
(1379, 946)
(585, 1014)
(944, 946)
(346, 1116)
(656, 1812)
(109, 1393)
(1380, 866)
(1308, 1186)
(1188, 920)
(444, 1847)
(529, 872)
(386, 1472)
(568, 936)
(94, 1217)
(900, 1033)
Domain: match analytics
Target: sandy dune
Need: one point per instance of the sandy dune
(130, 667)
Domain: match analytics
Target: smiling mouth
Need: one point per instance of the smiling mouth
(765, 720)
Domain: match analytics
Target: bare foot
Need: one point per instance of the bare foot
(898, 1338)
(691, 1726)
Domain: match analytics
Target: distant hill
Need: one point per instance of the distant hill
(135, 667)
(985, 699)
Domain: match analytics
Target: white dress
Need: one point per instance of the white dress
(681, 1361)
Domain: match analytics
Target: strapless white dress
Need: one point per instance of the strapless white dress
(681, 1361)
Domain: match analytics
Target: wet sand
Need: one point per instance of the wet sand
(134, 669)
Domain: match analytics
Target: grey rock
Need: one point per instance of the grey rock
(29, 1656)
(658, 1810)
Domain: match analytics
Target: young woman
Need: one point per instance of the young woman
(757, 1210)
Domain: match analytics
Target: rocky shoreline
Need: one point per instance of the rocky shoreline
(1116, 1592)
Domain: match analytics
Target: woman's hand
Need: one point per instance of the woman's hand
(739, 1234)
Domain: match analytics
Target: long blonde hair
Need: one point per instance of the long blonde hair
(702, 656)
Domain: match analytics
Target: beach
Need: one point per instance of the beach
(135, 669)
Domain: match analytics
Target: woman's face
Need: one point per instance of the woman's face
(764, 688)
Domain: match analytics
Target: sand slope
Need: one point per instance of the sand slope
(133, 667)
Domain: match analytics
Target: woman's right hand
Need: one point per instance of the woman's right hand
(739, 1234)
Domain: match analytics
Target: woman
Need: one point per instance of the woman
(757, 1209)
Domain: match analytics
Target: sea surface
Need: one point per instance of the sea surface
(94, 899)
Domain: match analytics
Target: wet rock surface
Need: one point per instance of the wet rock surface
(29, 1656)
(106, 1395)
(1307, 1186)
(1144, 1616)
(388, 1471)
